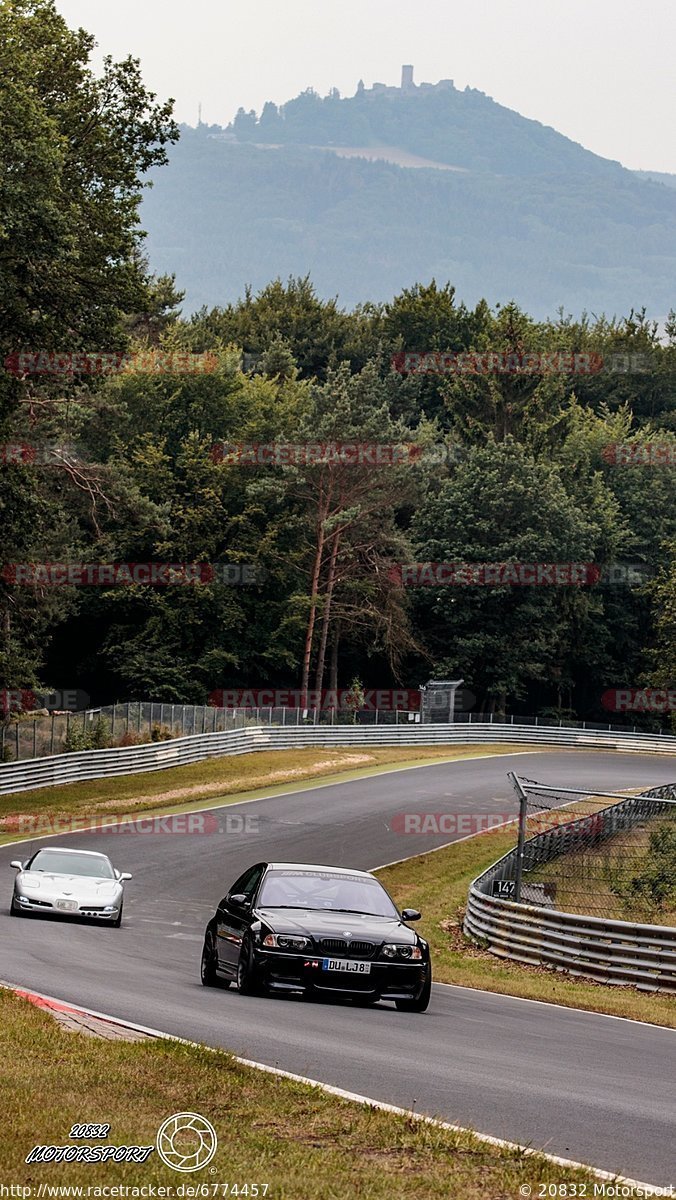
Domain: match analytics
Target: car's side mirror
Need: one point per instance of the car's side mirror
(410, 914)
(239, 899)
(18, 866)
(125, 876)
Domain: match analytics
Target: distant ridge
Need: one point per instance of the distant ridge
(435, 121)
(311, 187)
(658, 177)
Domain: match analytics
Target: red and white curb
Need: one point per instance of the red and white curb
(54, 1005)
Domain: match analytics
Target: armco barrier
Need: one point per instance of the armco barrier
(159, 756)
(620, 952)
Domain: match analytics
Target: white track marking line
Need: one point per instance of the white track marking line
(587, 1012)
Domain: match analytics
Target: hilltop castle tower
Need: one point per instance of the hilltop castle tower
(407, 84)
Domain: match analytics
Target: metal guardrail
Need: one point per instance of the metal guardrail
(159, 756)
(620, 952)
(135, 722)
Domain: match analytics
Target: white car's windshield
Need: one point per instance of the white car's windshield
(63, 862)
(326, 890)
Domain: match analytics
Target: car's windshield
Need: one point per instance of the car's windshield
(62, 862)
(326, 890)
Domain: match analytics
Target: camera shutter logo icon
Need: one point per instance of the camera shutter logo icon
(186, 1142)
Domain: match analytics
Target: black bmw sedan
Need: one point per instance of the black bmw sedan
(290, 927)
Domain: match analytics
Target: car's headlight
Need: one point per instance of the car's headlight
(394, 950)
(286, 941)
(33, 884)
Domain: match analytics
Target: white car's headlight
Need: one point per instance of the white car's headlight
(286, 941)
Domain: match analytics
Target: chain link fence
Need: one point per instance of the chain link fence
(136, 723)
(601, 854)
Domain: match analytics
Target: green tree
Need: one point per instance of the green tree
(502, 506)
(72, 154)
(73, 149)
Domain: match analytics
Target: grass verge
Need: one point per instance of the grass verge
(437, 884)
(213, 781)
(305, 1144)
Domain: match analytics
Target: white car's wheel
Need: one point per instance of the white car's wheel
(14, 910)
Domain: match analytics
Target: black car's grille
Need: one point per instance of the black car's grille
(333, 944)
(356, 949)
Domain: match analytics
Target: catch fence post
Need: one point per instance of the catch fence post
(523, 813)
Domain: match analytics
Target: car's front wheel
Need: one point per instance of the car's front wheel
(14, 910)
(422, 1002)
(248, 981)
(118, 920)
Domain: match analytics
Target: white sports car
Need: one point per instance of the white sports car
(76, 883)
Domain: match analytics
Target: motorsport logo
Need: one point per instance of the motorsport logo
(87, 1153)
(186, 1141)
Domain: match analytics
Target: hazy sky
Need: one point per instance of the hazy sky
(600, 71)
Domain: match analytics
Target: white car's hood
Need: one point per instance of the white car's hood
(83, 888)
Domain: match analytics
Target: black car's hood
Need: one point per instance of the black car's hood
(326, 923)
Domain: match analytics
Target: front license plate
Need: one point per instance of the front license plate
(66, 905)
(346, 964)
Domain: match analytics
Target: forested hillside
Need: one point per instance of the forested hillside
(524, 214)
(528, 444)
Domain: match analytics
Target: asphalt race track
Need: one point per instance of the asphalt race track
(583, 1086)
